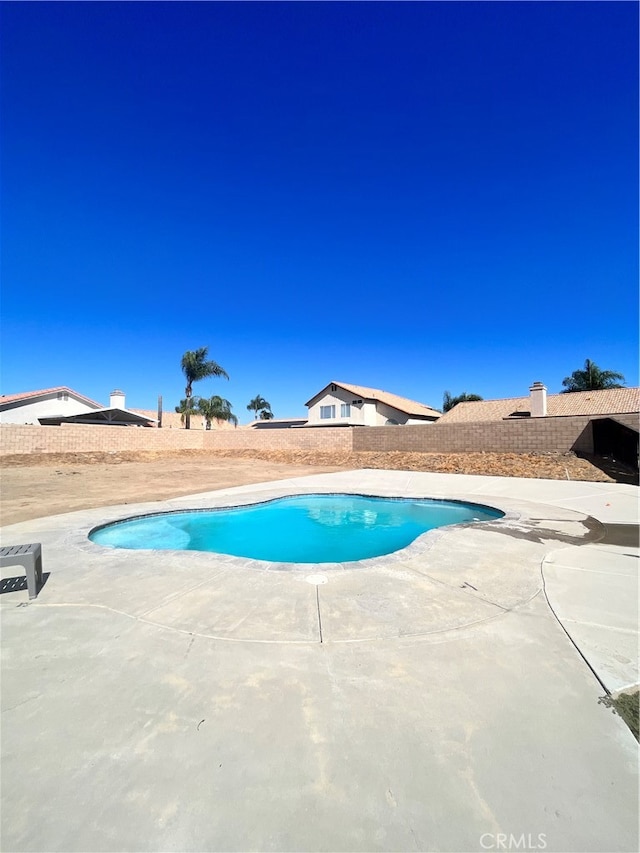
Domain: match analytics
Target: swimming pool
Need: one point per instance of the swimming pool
(333, 528)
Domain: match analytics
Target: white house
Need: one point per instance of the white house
(52, 406)
(29, 407)
(343, 404)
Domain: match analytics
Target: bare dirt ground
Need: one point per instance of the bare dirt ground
(47, 484)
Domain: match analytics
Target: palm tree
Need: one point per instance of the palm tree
(195, 367)
(448, 402)
(216, 408)
(188, 407)
(259, 404)
(266, 415)
(592, 379)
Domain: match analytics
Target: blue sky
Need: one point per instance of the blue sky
(412, 196)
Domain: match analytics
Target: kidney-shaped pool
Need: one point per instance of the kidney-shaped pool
(334, 528)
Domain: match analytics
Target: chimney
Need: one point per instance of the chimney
(538, 395)
(116, 400)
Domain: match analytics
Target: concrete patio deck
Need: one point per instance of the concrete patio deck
(443, 698)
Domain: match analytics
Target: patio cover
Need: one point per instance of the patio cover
(109, 417)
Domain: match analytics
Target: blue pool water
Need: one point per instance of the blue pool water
(300, 529)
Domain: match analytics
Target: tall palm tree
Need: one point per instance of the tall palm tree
(216, 409)
(196, 367)
(259, 404)
(448, 402)
(592, 379)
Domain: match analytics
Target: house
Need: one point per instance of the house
(28, 407)
(610, 418)
(343, 404)
(53, 406)
(613, 401)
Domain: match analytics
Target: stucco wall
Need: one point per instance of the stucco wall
(367, 413)
(171, 419)
(48, 408)
(385, 413)
(336, 398)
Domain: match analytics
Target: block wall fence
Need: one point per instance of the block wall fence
(86, 438)
(517, 436)
(528, 435)
(320, 439)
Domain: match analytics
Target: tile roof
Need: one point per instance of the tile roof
(27, 395)
(614, 401)
(403, 404)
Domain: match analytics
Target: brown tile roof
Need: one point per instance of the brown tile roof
(614, 401)
(27, 395)
(403, 404)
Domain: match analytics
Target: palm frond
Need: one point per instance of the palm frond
(592, 378)
(448, 402)
(259, 404)
(216, 409)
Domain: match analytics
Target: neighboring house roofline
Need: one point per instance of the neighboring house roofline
(257, 422)
(12, 400)
(608, 401)
(402, 404)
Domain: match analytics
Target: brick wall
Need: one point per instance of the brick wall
(321, 439)
(517, 436)
(84, 438)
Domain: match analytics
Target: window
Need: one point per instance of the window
(327, 412)
(345, 410)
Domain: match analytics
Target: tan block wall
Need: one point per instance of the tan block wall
(525, 436)
(517, 436)
(321, 439)
(86, 438)
(632, 421)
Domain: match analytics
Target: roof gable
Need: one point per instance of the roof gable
(402, 404)
(10, 401)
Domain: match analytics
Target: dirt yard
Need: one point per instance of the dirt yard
(48, 484)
